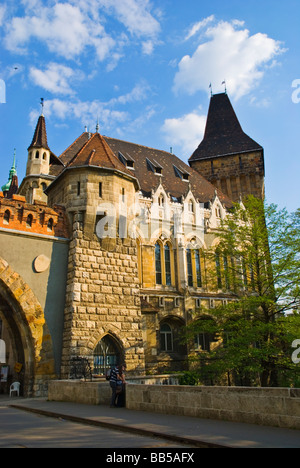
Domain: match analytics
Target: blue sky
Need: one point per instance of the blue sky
(143, 68)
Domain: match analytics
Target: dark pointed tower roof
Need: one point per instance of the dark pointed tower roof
(40, 135)
(223, 134)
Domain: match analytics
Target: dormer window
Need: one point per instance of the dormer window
(181, 173)
(154, 166)
(127, 160)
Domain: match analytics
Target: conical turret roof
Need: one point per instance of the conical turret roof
(40, 135)
(223, 134)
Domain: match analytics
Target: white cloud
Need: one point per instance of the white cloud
(69, 29)
(88, 111)
(229, 53)
(66, 30)
(185, 132)
(199, 25)
(56, 78)
(147, 47)
(138, 93)
(2, 14)
(135, 15)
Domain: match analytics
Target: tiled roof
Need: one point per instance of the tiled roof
(74, 148)
(96, 152)
(223, 134)
(40, 135)
(175, 176)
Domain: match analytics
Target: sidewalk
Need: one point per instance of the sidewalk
(180, 429)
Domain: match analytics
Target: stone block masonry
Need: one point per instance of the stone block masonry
(275, 407)
(102, 299)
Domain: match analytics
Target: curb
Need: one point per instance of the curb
(117, 427)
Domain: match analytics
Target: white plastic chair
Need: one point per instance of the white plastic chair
(15, 387)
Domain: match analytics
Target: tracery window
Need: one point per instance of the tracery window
(158, 269)
(168, 265)
(164, 264)
(194, 268)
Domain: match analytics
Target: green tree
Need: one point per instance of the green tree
(258, 261)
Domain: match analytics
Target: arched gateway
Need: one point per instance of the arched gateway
(29, 344)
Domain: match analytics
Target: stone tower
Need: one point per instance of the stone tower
(227, 157)
(103, 309)
(39, 163)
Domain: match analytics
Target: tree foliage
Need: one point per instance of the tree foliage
(257, 262)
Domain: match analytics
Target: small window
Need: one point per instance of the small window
(44, 156)
(78, 188)
(181, 173)
(100, 189)
(50, 225)
(161, 200)
(6, 217)
(203, 341)
(37, 155)
(166, 338)
(191, 206)
(154, 166)
(29, 221)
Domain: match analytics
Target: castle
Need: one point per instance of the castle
(102, 249)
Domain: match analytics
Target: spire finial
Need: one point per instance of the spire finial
(97, 125)
(14, 160)
(211, 92)
(42, 105)
(224, 83)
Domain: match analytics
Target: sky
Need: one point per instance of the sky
(143, 69)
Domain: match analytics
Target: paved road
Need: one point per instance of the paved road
(21, 429)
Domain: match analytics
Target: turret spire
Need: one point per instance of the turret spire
(11, 187)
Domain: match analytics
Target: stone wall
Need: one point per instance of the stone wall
(238, 174)
(277, 407)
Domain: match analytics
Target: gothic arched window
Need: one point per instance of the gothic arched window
(158, 266)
